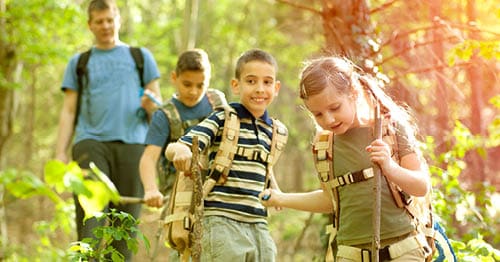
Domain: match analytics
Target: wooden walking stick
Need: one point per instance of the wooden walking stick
(196, 204)
(376, 190)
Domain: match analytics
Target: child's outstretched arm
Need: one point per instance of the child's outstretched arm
(411, 175)
(315, 201)
(148, 173)
(180, 154)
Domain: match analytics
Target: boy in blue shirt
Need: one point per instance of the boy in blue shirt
(192, 102)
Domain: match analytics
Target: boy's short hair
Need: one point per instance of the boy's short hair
(254, 55)
(99, 5)
(193, 60)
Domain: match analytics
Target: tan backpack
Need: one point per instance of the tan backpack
(166, 176)
(180, 218)
(418, 208)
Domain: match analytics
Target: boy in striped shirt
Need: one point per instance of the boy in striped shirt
(235, 224)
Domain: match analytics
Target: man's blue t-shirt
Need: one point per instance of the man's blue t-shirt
(111, 98)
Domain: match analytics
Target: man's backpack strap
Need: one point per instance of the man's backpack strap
(139, 62)
(216, 98)
(227, 148)
(81, 67)
(81, 73)
(174, 121)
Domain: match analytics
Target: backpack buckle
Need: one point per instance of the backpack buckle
(368, 173)
(341, 179)
(366, 255)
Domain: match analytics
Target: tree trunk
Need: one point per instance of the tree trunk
(190, 24)
(442, 119)
(475, 172)
(6, 117)
(347, 28)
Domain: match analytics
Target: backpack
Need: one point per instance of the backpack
(82, 72)
(165, 169)
(418, 208)
(180, 218)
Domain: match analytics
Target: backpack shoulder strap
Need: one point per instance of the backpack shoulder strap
(418, 208)
(81, 73)
(81, 67)
(139, 62)
(278, 141)
(228, 146)
(322, 149)
(323, 162)
(174, 120)
(216, 98)
(389, 136)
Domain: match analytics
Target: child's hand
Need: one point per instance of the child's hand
(153, 198)
(269, 198)
(380, 153)
(180, 154)
(182, 160)
(150, 101)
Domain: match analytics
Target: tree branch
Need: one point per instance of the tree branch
(440, 25)
(299, 6)
(420, 44)
(382, 7)
(424, 70)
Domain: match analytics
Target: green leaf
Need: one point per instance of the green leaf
(76, 184)
(113, 192)
(97, 201)
(54, 172)
(116, 256)
(26, 186)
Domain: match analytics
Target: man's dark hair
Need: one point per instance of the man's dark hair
(99, 5)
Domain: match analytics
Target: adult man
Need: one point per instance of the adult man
(109, 130)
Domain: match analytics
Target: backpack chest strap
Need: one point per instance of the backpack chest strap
(278, 142)
(253, 154)
(353, 177)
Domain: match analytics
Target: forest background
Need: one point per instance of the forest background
(439, 57)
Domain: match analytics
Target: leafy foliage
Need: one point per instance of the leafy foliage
(94, 195)
(460, 208)
(121, 226)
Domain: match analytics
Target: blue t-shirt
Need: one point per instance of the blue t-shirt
(111, 98)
